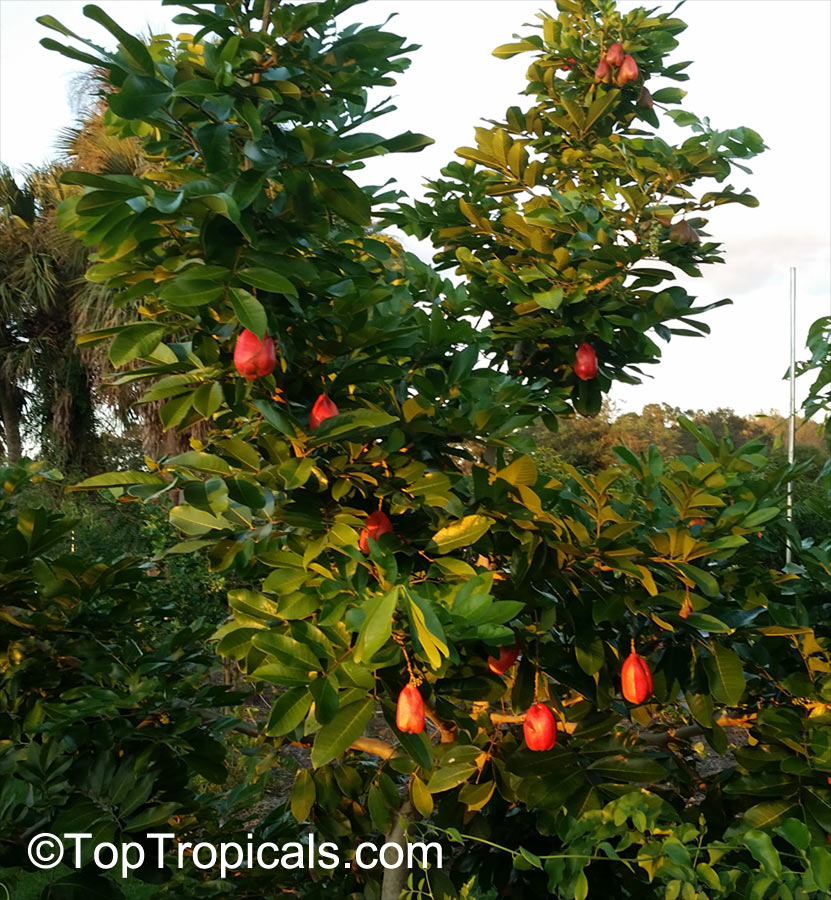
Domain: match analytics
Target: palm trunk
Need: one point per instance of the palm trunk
(10, 408)
(68, 437)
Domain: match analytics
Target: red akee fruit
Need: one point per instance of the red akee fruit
(323, 409)
(409, 714)
(585, 365)
(540, 728)
(635, 678)
(253, 357)
(377, 523)
(603, 72)
(615, 54)
(628, 71)
(499, 665)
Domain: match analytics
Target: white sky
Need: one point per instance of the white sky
(760, 63)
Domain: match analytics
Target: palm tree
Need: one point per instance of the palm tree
(53, 395)
(43, 298)
(15, 206)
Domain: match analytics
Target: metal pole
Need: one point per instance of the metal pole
(792, 413)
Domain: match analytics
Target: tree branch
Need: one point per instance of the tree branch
(375, 746)
(395, 880)
(659, 738)
(500, 719)
(447, 730)
(383, 750)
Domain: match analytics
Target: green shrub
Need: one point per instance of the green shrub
(107, 715)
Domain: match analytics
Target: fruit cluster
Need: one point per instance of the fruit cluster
(255, 358)
(616, 59)
(539, 726)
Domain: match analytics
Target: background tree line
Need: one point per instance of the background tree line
(587, 442)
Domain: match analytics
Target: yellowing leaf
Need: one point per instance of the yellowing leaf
(520, 471)
(431, 638)
(411, 409)
(462, 533)
(648, 581)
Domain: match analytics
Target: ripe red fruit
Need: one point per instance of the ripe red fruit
(585, 364)
(377, 523)
(697, 521)
(499, 665)
(635, 678)
(602, 72)
(628, 71)
(323, 409)
(615, 55)
(540, 728)
(569, 64)
(253, 357)
(409, 713)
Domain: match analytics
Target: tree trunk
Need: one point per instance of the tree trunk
(395, 880)
(11, 404)
(69, 429)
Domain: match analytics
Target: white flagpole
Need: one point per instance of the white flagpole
(792, 413)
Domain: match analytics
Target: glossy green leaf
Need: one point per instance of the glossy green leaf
(286, 649)
(303, 795)
(118, 479)
(139, 97)
(377, 625)
(347, 726)
(202, 462)
(249, 311)
(629, 768)
(191, 520)
(796, 833)
(590, 654)
(350, 423)
(761, 846)
(448, 777)
(133, 50)
(268, 280)
(725, 674)
(343, 195)
(148, 818)
(288, 711)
